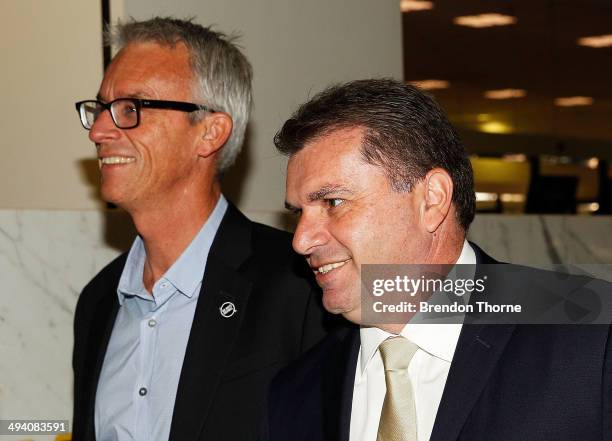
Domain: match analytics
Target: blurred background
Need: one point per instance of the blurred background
(527, 85)
(525, 82)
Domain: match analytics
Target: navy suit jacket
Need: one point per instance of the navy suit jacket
(506, 383)
(229, 362)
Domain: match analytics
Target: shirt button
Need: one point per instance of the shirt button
(152, 323)
(163, 285)
(142, 391)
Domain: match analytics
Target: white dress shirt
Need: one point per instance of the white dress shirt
(428, 371)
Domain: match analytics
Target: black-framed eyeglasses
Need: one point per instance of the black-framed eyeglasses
(125, 112)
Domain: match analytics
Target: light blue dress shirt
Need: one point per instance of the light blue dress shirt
(141, 370)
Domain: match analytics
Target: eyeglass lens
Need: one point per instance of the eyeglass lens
(123, 111)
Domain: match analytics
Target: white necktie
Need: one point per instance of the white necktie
(398, 416)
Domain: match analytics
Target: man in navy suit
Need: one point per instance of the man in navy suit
(377, 175)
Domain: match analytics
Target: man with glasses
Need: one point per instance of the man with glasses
(179, 338)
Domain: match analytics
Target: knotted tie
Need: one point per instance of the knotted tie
(398, 416)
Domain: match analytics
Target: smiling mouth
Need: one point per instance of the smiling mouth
(324, 269)
(113, 160)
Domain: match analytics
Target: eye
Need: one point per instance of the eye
(334, 202)
(294, 211)
(124, 107)
(129, 108)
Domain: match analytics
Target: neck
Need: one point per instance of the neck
(168, 229)
(392, 328)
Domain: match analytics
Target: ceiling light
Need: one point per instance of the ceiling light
(504, 94)
(596, 41)
(587, 208)
(571, 101)
(486, 197)
(496, 127)
(592, 163)
(484, 20)
(415, 5)
(515, 157)
(431, 84)
(512, 197)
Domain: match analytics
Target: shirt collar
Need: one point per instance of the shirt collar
(186, 273)
(467, 256)
(437, 339)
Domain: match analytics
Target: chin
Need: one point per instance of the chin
(338, 302)
(109, 197)
(112, 198)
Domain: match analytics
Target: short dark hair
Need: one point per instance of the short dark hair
(405, 132)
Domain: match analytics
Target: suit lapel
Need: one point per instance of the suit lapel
(97, 343)
(338, 384)
(212, 335)
(479, 348)
(478, 351)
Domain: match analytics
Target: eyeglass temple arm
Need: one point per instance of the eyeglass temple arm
(189, 107)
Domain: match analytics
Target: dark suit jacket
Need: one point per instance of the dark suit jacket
(506, 382)
(229, 362)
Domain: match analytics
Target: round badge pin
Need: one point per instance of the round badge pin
(228, 309)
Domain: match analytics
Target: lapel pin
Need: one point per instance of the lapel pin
(228, 309)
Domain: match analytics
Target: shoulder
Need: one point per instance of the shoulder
(276, 243)
(238, 235)
(284, 297)
(272, 257)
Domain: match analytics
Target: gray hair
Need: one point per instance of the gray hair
(223, 74)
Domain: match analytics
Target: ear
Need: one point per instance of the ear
(438, 198)
(216, 128)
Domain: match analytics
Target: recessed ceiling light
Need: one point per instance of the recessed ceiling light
(431, 84)
(572, 101)
(514, 157)
(504, 94)
(482, 196)
(592, 163)
(512, 197)
(496, 127)
(588, 207)
(415, 5)
(484, 20)
(596, 41)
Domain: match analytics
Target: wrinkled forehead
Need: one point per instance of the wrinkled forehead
(141, 52)
(332, 159)
(331, 143)
(149, 65)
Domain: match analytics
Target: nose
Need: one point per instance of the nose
(104, 129)
(310, 233)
